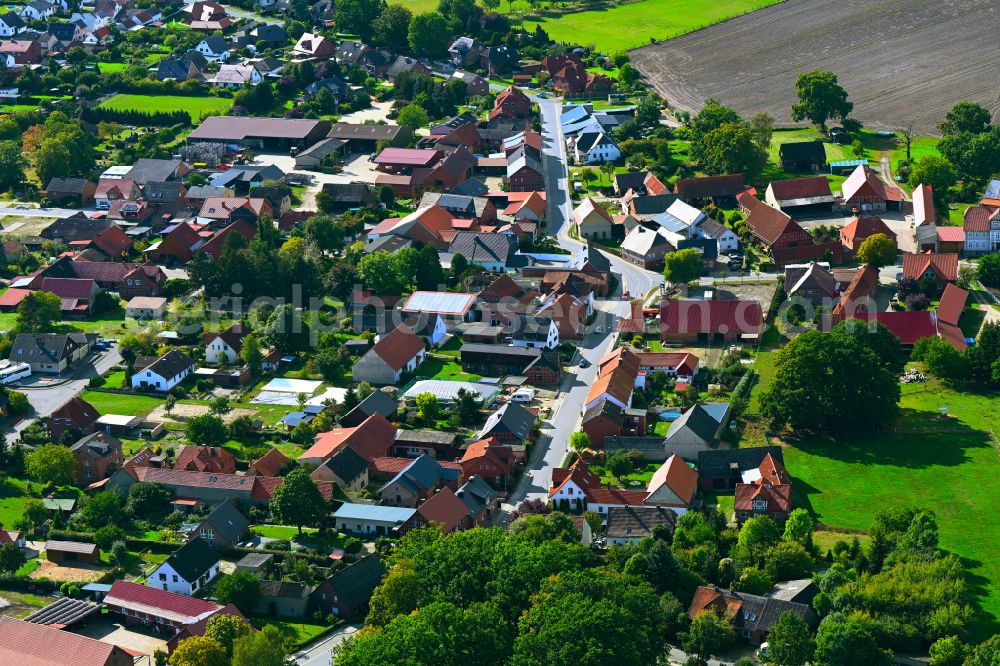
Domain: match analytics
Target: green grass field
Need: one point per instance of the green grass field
(435, 368)
(843, 482)
(13, 495)
(299, 633)
(635, 24)
(196, 106)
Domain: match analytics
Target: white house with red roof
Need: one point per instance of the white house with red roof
(400, 351)
(576, 488)
(765, 491)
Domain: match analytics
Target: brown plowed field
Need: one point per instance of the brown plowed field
(900, 61)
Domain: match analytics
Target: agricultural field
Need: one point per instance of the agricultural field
(634, 24)
(844, 481)
(899, 61)
(196, 106)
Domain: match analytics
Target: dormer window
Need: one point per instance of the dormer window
(760, 505)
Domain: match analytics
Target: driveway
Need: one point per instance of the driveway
(895, 220)
(47, 393)
(124, 637)
(319, 653)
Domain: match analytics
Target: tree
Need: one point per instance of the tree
(935, 171)
(762, 128)
(788, 560)
(107, 535)
(52, 463)
(941, 359)
(105, 509)
(428, 274)
(378, 273)
(578, 441)
(251, 353)
(467, 406)
(11, 557)
(967, 117)
(359, 16)
(618, 464)
(647, 111)
(790, 641)
(199, 651)
(820, 98)
(616, 616)
(847, 641)
(877, 250)
(241, 588)
(757, 536)
(33, 514)
(169, 403)
(948, 651)
(799, 529)
(429, 35)
(118, 554)
(682, 266)
(287, 329)
(38, 312)
(830, 383)
(219, 406)
(988, 270)
(12, 163)
(226, 629)
(267, 647)
(392, 27)
(731, 148)
(708, 634)
(147, 499)
(298, 501)
(712, 116)
(207, 430)
(428, 407)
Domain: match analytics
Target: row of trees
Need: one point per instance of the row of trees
(134, 117)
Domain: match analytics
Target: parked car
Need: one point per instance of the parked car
(584, 363)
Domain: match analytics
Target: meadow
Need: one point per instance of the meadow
(195, 106)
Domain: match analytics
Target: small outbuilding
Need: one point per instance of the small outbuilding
(72, 551)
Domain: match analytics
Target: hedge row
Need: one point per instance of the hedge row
(135, 117)
(21, 583)
(160, 547)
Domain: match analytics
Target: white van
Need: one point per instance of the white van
(523, 395)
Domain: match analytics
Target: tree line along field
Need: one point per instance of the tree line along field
(614, 28)
(195, 106)
(901, 61)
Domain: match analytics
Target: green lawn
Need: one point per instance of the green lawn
(435, 368)
(638, 478)
(300, 633)
(636, 24)
(111, 67)
(196, 106)
(121, 403)
(844, 482)
(13, 495)
(920, 147)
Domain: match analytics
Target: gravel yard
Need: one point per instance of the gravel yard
(900, 61)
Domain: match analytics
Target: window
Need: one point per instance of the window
(175, 578)
(164, 577)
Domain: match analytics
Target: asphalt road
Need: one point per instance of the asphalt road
(318, 654)
(46, 394)
(553, 443)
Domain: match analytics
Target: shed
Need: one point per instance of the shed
(72, 551)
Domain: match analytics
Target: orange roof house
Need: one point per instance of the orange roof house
(372, 439)
(942, 267)
(861, 228)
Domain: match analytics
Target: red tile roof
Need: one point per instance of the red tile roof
(13, 297)
(861, 228)
(945, 265)
(862, 285)
(676, 475)
(112, 241)
(395, 465)
(908, 326)
(399, 347)
(685, 362)
(445, 509)
(779, 498)
(29, 644)
(206, 459)
(951, 235)
(709, 597)
(691, 316)
(863, 181)
(977, 218)
(158, 602)
(949, 309)
(411, 157)
(270, 463)
(69, 287)
(801, 188)
(370, 440)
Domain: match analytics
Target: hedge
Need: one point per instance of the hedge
(21, 583)
(161, 547)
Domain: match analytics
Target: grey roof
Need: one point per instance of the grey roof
(46, 347)
(631, 180)
(422, 474)
(12, 20)
(791, 590)
(713, 228)
(472, 187)
(637, 522)
(356, 583)
(799, 151)
(373, 132)
(206, 192)
(653, 204)
(476, 494)
(511, 417)
(346, 464)
(483, 247)
(195, 57)
(609, 410)
(716, 463)
(280, 589)
(171, 364)
(350, 193)
(75, 185)
(528, 353)
(147, 170)
(100, 443)
(216, 43)
(698, 421)
(717, 410)
(422, 436)
(379, 402)
(992, 189)
(460, 204)
(254, 560)
(761, 613)
(271, 32)
(520, 159)
(193, 559)
(172, 68)
(228, 522)
(389, 244)
(163, 192)
(374, 512)
(335, 85)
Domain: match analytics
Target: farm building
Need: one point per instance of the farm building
(72, 551)
(261, 133)
(802, 156)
